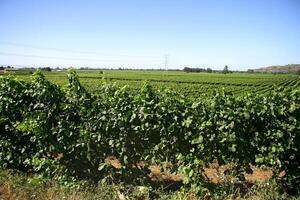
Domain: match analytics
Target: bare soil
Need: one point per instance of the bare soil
(215, 173)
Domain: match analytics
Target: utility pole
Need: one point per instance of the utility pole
(166, 62)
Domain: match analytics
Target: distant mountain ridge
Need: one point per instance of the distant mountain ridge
(290, 68)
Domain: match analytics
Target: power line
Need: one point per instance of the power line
(71, 50)
(60, 58)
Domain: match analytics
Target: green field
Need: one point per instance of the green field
(73, 129)
(188, 84)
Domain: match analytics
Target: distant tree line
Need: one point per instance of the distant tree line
(207, 70)
(188, 69)
(185, 69)
(47, 69)
(8, 67)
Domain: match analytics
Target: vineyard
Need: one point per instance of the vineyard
(67, 127)
(188, 84)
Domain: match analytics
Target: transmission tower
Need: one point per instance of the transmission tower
(166, 62)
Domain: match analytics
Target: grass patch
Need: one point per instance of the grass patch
(14, 185)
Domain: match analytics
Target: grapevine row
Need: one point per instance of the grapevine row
(70, 132)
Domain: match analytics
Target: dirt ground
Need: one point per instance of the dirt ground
(215, 173)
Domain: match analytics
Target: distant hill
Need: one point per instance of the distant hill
(291, 68)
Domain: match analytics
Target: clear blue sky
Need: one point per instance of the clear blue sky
(138, 33)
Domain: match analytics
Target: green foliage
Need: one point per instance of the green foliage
(225, 70)
(70, 132)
